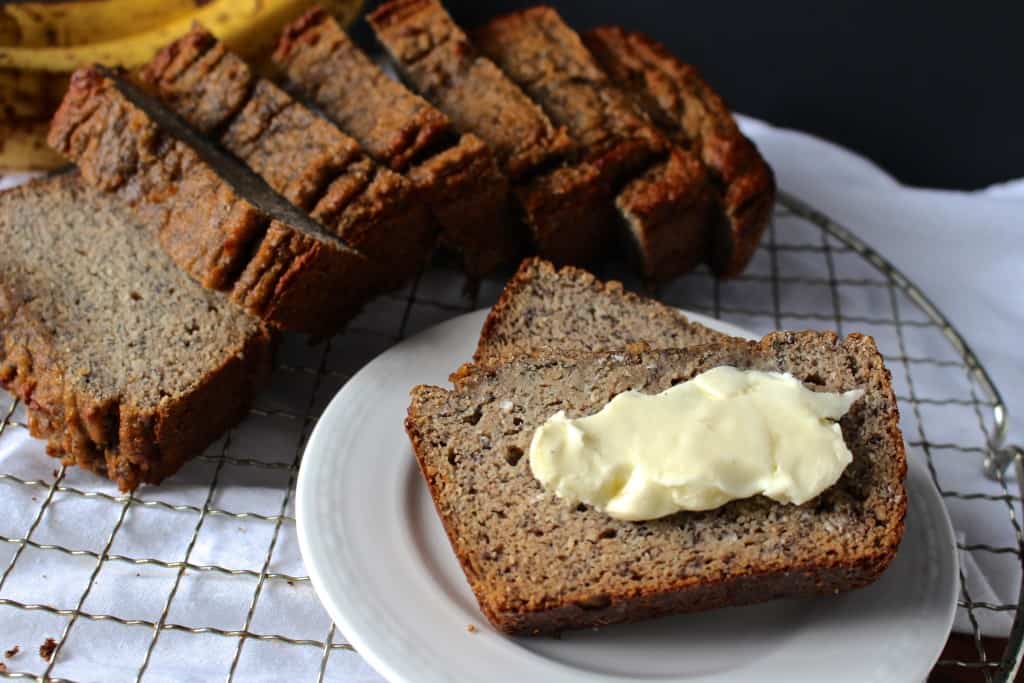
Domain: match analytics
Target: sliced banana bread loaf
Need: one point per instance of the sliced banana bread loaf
(301, 155)
(126, 365)
(675, 96)
(217, 220)
(538, 565)
(549, 311)
(456, 175)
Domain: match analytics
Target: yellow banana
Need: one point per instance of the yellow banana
(74, 22)
(23, 147)
(247, 26)
(29, 94)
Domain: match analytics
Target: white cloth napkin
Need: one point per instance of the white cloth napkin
(963, 250)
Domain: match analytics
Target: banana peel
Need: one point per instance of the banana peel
(249, 27)
(78, 22)
(23, 147)
(41, 43)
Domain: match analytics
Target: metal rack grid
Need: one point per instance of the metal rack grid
(851, 287)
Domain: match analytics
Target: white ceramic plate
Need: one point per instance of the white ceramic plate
(380, 562)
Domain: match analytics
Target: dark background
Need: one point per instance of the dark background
(932, 92)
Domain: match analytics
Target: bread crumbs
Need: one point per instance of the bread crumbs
(47, 648)
(13, 652)
(471, 628)
(3, 668)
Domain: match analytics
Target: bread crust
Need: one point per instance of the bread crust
(580, 605)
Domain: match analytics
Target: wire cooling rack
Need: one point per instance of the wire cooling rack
(211, 608)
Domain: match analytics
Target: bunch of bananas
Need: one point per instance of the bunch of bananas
(42, 42)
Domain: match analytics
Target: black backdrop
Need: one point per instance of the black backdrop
(932, 92)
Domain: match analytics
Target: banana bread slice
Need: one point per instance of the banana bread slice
(538, 565)
(126, 365)
(301, 155)
(456, 175)
(563, 206)
(695, 117)
(217, 220)
(548, 311)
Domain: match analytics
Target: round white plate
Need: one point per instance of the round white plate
(380, 562)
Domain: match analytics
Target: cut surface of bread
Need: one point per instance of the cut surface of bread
(674, 95)
(544, 310)
(299, 154)
(538, 565)
(127, 366)
(217, 220)
(456, 175)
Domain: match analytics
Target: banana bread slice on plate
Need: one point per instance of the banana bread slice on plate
(544, 310)
(126, 365)
(538, 565)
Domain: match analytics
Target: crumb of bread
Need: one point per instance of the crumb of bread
(3, 668)
(47, 648)
(12, 652)
(472, 628)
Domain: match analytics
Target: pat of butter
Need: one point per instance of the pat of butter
(723, 435)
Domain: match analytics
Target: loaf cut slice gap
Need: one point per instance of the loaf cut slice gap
(217, 220)
(539, 565)
(545, 310)
(662, 204)
(563, 203)
(299, 154)
(455, 175)
(127, 366)
(675, 96)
